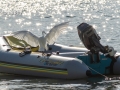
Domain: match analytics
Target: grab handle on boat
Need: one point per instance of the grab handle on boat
(8, 50)
(26, 51)
(21, 54)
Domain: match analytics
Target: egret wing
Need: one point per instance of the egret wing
(26, 36)
(55, 32)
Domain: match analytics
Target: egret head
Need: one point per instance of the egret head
(43, 33)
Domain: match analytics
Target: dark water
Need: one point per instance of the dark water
(41, 15)
(16, 82)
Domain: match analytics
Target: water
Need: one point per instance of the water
(15, 82)
(41, 15)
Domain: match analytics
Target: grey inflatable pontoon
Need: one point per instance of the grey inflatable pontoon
(16, 61)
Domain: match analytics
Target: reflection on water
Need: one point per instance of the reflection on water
(16, 82)
(42, 15)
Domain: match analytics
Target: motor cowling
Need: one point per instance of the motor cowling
(88, 35)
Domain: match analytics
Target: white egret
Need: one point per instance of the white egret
(42, 42)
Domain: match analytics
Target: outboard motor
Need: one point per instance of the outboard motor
(91, 40)
(86, 32)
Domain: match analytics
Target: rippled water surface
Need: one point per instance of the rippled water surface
(42, 15)
(15, 82)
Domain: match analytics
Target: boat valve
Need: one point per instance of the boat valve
(88, 73)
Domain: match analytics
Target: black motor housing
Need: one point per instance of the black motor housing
(89, 37)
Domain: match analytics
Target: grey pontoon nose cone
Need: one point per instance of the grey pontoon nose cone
(88, 73)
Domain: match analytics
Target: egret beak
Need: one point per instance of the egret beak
(43, 33)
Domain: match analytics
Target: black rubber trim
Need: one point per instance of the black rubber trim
(88, 73)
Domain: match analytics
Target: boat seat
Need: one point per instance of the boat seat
(17, 44)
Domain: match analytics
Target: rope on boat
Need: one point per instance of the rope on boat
(99, 73)
(106, 78)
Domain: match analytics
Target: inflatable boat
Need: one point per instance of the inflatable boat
(16, 59)
(59, 61)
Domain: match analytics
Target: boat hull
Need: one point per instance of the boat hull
(36, 64)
